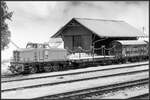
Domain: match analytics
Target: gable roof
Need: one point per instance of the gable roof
(107, 28)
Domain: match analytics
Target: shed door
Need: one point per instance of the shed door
(77, 41)
(68, 42)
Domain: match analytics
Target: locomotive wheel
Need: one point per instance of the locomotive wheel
(12, 69)
(55, 67)
(48, 68)
(33, 70)
(19, 70)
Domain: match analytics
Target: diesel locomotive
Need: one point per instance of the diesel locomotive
(42, 58)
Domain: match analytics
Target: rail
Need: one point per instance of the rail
(71, 80)
(131, 76)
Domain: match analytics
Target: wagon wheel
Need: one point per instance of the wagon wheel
(33, 70)
(48, 68)
(55, 67)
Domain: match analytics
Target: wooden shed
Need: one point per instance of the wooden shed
(87, 33)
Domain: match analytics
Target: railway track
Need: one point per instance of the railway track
(11, 93)
(137, 91)
(81, 94)
(9, 86)
(48, 75)
(10, 75)
(142, 96)
(101, 74)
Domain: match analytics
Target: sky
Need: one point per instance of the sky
(36, 21)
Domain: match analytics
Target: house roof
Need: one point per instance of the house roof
(107, 28)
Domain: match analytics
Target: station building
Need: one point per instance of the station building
(87, 33)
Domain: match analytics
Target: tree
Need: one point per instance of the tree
(5, 33)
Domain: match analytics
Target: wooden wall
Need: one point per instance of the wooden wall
(72, 32)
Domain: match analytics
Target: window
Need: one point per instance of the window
(30, 45)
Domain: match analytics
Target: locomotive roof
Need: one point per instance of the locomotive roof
(106, 28)
(131, 42)
(30, 49)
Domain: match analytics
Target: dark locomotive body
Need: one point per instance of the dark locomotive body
(39, 57)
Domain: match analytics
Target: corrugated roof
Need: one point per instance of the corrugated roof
(131, 42)
(108, 28)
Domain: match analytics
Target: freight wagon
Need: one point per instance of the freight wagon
(129, 50)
